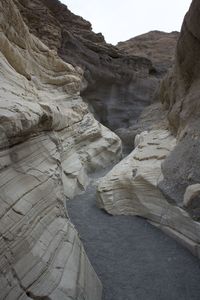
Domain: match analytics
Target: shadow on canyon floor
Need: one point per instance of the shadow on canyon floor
(133, 259)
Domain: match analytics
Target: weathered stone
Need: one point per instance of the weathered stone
(153, 117)
(180, 95)
(131, 188)
(116, 85)
(156, 45)
(191, 192)
(48, 139)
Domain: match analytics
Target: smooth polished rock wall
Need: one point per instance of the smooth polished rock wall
(132, 188)
(49, 142)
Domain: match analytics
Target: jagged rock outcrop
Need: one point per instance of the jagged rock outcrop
(116, 85)
(158, 46)
(131, 188)
(49, 142)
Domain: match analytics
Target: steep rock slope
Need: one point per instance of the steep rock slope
(160, 179)
(157, 46)
(116, 85)
(49, 142)
(180, 97)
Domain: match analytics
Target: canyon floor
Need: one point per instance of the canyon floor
(133, 259)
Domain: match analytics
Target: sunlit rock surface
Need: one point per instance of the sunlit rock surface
(131, 188)
(48, 138)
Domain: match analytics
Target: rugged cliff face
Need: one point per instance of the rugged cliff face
(49, 143)
(157, 46)
(180, 97)
(110, 77)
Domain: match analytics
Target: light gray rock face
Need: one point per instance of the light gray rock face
(48, 140)
(131, 188)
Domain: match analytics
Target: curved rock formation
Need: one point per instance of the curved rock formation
(110, 77)
(159, 180)
(131, 188)
(49, 143)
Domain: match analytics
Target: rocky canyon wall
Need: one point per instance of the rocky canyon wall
(116, 85)
(159, 47)
(180, 97)
(49, 143)
(156, 45)
(160, 179)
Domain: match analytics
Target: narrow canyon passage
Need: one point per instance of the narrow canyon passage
(133, 259)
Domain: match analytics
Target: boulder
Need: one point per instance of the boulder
(132, 188)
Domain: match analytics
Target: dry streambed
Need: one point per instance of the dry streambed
(133, 259)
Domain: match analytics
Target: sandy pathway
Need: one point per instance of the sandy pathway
(134, 260)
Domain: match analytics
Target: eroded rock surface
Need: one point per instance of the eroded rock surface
(180, 97)
(49, 143)
(131, 188)
(153, 117)
(173, 179)
(158, 46)
(116, 85)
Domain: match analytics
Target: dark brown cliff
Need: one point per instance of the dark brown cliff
(157, 46)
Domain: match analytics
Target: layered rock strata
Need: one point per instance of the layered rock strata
(131, 188)
(165, 189)
(117, 86)
(49, 143)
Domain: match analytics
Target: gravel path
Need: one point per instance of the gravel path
(133, 259)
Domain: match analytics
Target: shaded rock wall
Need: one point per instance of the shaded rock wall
(110, 77)
(49, 142)
(180, 97)
(152, 117)
(157, 46)
(160, 179)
